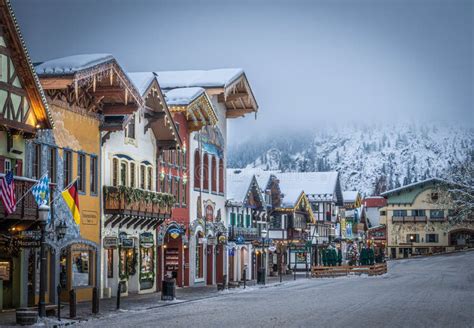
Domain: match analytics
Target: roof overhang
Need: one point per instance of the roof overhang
(237, 97)
(199, 112)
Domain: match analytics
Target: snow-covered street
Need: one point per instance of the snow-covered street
(434, 291)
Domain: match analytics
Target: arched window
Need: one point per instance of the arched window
(205, 174)
(115, 172)
(213, 174)
(199, 256)
(221, 175)
(197, 170)
(132, 175)
(123, 173)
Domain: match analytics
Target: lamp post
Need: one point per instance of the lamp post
(263, 267)
(43, 217)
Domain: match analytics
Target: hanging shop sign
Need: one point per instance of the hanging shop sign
(126, 242)
(240, 240)
(110, 242)
(222, 239)
(272, 248)
(146, 240)
(29, 239)
(299, 249)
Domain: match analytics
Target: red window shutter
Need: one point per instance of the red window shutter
(2, 164)
(19, 167)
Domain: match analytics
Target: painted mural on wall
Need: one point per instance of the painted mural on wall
(212, 141)
(209, 207)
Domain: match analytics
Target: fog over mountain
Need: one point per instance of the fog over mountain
(370, 158)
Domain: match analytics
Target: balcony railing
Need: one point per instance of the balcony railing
(409, 219)
(134, 201)
(245, 233)
(26, 209)
(437, 219)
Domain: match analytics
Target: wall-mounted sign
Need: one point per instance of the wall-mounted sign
(146, 240)
(222, 239)
(89, 217)
(110, 242)
(29, 239)
(127, 243)
(272, 248)
(175, 232)
(5, 270)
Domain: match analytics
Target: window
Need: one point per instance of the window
(132, 175)
(81, 264)
(418, 213)
(130, 130)
(221, 175)
(93, 175)
(183, 195)
(232, 219)
(178, 191)
(437, 214)
(178, 157)
(197, 170)
(434, 196)
(115, 172)
(81, 172)
(150, 177)
(413, 238)
(184, 162)
(383, 213)
(52, 164)
(213, 174)
(173, 157)
(205, 173)
(431, 237)
(37, 161)
(171, 184)
(247, 220)
(142, 176)
(240, 220)
(123, 173)
(162, 185)
(67, 167)
(8, 166)
(399, 213)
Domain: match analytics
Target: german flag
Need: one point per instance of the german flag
(71, 197)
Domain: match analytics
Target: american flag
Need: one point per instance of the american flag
(7, 192)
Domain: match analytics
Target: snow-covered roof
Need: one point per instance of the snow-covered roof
(142, 80)
(316, 185)
(262, 176)
(72, 64)
(412, 185)
(183, 96)
(350, 196)
(199, 78)
(237, 184)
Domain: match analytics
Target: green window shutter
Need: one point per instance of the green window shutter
(247, 220)
(240, 222)
(232, 219)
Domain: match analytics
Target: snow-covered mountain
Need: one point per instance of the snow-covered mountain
(370, 158)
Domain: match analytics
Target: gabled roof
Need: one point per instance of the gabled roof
(350, 196)
(156, 110)
(183, 96)
(21, 59)
(411, 186)
(316, 185)
(112, 92)
(229, 84)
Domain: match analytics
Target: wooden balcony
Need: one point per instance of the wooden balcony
(137, 202)
(26, 210)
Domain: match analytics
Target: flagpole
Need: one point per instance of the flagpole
(67, 187)
(26, 193)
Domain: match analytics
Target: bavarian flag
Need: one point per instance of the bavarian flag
(71, 197)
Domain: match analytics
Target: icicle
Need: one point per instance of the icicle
(93, 83)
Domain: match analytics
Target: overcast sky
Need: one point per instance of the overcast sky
(310, 63)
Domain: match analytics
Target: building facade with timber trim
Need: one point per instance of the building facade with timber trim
(134, 207)
(90, 97)
(23, 113)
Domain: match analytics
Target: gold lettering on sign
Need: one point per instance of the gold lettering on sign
(89, 217)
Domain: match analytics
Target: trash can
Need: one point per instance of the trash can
(261, 276)
(26, 317)
(168, 290)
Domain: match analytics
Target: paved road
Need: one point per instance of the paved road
(427, 292)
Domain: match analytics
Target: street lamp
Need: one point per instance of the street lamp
(43, 211)
(264, 257)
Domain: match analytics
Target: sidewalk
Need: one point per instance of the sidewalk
(136, 302)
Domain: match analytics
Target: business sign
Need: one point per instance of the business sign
(127, 243)
(110, 242)
(146, 240)
(29, 239)
(5, 270)
(272, 248)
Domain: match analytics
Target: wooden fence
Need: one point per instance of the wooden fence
(338, 271)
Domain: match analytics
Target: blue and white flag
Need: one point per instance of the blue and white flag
(41, 190)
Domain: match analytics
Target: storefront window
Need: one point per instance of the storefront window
(81, 275)
(199, 264)
(110, 263)
(147, 272)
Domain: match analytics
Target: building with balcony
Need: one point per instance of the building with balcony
(23, 112)
(418, 223)
(134, 206)
(246, 209)
(90, 97)
(216, 95)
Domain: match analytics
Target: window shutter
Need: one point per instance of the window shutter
(247, 219)
(19, 167)
(2, 164)
(232, 219)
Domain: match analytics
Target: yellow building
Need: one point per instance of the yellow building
(90, 96)
(418, 224)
